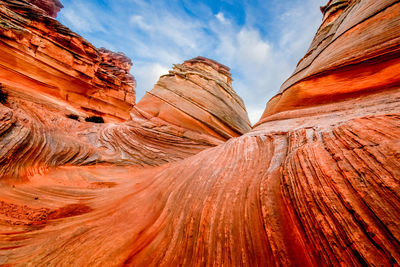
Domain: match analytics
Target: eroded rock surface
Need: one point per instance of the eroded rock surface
(52, 7)
(315, 183)
(40, 132)
(198, 95)
(41, 55)
(355, 52)
(43, 121)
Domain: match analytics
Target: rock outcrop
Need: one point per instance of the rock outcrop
(346, 58)
(48, 134)
(198, 95)
(44, 119)
(51, 7)
(41, 55)
(314, 183)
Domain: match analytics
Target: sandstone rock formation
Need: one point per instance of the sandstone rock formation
(355, 52)
(38, 133)
(41, 55)
(314, 183)
(33, 125)
(52, 7)
(198, 95)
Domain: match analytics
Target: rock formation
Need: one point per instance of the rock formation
(42, 129)
(41, 55)
(51, 7)
(314, 183)
(354, 53)
(198, 95)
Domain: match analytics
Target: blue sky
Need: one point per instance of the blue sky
(260, 40)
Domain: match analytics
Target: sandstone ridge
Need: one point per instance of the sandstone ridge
(198, 95)
(346, 59)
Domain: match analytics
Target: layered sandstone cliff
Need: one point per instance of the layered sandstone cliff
(44, 126)
(355, 52)
(315, 183)
(41, 55)
(198, 95)
(39, 133)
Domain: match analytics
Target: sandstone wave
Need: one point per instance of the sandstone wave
(181, 178)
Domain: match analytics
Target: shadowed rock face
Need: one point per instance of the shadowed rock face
(52, 7)
(315, 183)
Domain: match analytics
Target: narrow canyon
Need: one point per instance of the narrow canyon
(91, 177)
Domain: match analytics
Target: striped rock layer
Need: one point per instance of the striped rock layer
(315, 183)
(38, 132)
(354, 53)
(41, 56)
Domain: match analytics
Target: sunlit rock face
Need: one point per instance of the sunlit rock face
(314, 183)
(354, 53)
(39, 132)
(44, 119)
(41, 55)
(198, 95)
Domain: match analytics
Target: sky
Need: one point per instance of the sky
(260, 40)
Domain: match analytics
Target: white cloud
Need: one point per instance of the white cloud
(77, 21)
(221, 17)
(147, 75)
(138, 21)
(81, 17)
(252, 51)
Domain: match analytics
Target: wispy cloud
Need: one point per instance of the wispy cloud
(261, 42)
(150, 72)
(82, 19)
(138, 21)
(221, 17)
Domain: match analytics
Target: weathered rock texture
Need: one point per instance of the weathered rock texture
(52, 7)
(38, 133)
(315, 183)
(355, 52)
(198, 95)
(38, 54)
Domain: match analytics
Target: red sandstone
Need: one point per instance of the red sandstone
(41, 55)
(185, 181)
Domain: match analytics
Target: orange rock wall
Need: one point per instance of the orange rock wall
(346, 58)
(315, 183)
(45, 56)
(39, 134)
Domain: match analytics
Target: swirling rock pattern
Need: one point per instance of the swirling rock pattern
(314, 183)
(355, 52)
(38, 133)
